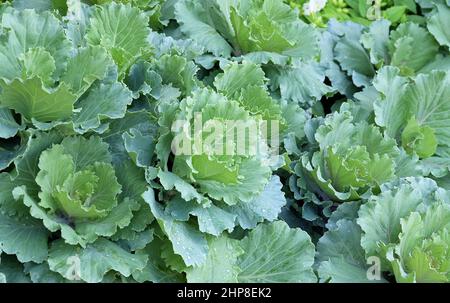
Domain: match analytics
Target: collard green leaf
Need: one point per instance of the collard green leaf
(23, 237)
(103, 101)
(220, 265)
(275, 253)
(27, 165)
(41, 273)
(11, 270)
(403, 43)
(211, 219)
(341, 257)
(376, 40)
(422, 101)
(156, 269)
(122, 30)
(194, 20)
(94, 261)
(177, 71)
(354, 58)
(9, 151)
(31, 99)
(267, 206)
(88, 65)
(28, 29)
(438, 23)
(8, 125)
(187, 242)
(302, 83)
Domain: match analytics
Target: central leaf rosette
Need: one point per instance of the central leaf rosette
(423, 252)
(408, 227)
(216, 151)
(246, 26)
(74, 186)
(220, 147)
(353, 159)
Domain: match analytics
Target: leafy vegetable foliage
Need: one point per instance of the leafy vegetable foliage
(224, 141)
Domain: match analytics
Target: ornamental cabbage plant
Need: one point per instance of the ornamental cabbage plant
(347, 168)
(244, 141)
(411, 242)
(246, 26)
